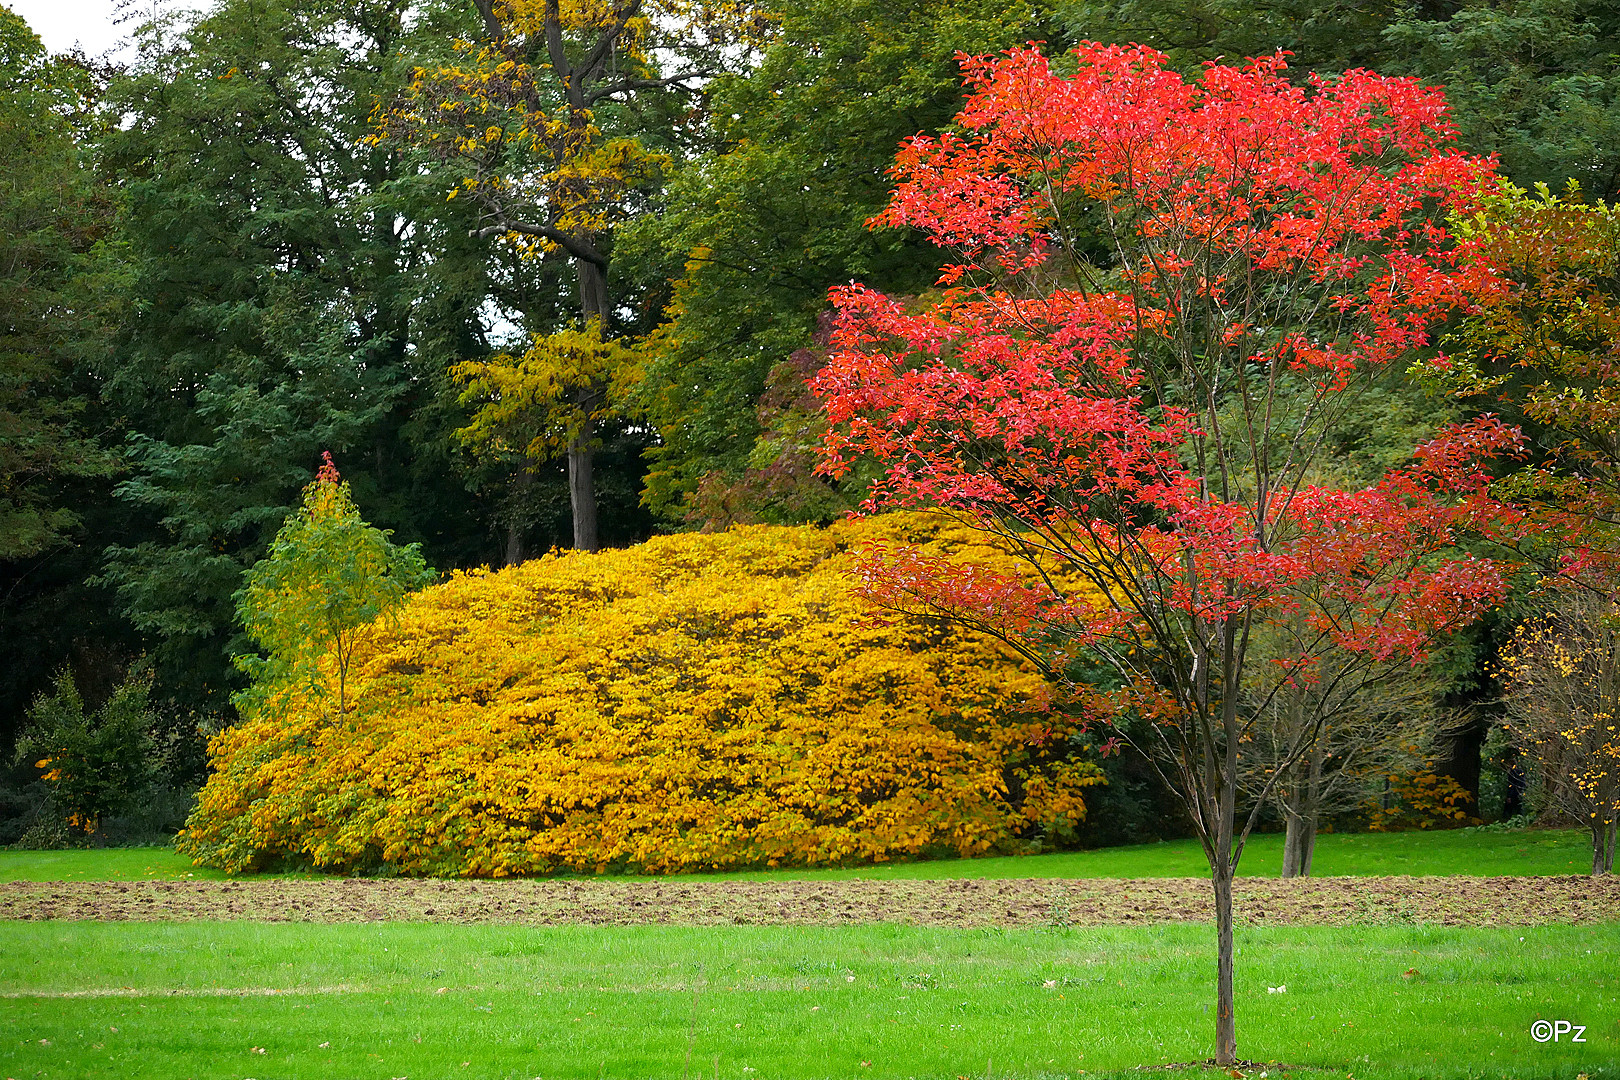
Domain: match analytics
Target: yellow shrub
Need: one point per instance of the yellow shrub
(697, 701)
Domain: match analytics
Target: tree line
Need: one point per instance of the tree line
(541, 275)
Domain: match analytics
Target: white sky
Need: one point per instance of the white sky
(62, 24)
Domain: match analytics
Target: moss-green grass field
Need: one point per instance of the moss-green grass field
(375, 1001)
(317, 1002)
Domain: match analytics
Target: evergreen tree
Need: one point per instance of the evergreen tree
(292, 288)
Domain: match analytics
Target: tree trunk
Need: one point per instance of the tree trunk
(1299, 844)
(1302, 809)
(514, 543)
(1603, 849)
(582, 491)
(516, 551)
(1225, 1013)
(593, 305)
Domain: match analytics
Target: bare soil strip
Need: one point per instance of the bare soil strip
(1451, 901)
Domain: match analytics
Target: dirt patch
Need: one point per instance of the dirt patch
(1451, 901)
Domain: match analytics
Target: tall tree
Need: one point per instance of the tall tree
(55, 276)
(756, 228)
(1533, 81)
(544, 122)
(1148, 429)
(293, 289)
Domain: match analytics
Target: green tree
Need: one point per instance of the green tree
(51, 216)
(758, 227)
(57, 272)
(1536, 82)
(93, 763)
(326, 579)
(291, 288)
(1333, 36)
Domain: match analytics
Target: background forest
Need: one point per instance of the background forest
(533, 299)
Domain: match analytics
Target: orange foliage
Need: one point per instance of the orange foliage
(695, 702)
(1422, 800)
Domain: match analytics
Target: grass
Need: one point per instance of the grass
(1483, 853)
(359, 1002)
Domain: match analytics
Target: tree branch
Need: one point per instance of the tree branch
(579, 249)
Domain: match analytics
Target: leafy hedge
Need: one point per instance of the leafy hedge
(697, 701)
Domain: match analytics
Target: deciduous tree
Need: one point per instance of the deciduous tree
(538, 119)
(1152, 421)
(327, 578)
(1561, 675)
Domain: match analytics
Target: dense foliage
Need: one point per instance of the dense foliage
(522, 265)
(694, 702)
(94, 762)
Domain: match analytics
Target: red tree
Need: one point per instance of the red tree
(1146, 419)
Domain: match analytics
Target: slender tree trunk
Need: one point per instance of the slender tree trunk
(1222, 866)
(1298, 839)
(582, 491)
(1597, 848)
(1225, 1013)
(593, 304)
(1302, 807)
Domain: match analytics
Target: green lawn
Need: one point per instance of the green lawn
(357, 1002)
(1446, 852)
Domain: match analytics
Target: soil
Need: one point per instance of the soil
(1450, 901)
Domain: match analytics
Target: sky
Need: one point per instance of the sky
(62, 24)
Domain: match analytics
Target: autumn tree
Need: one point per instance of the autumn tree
(1546, 351)
(522, 117)
(539, 405)
(1152, 419)
(312, 599)
(1561, 676)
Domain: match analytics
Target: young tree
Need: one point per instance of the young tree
(1149, 425)
(1562, 687)
(327, 577)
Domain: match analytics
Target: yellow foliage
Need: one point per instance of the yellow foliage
(698, 701)
(539, 403)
